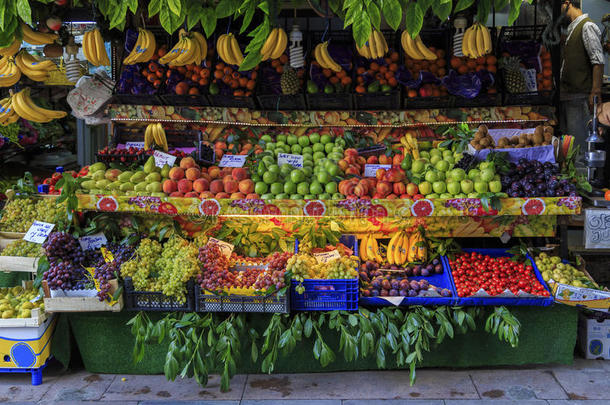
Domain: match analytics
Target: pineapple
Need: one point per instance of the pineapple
(289, 81)
(515, 81)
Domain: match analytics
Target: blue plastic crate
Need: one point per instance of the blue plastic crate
(325, 295)
(516, 301)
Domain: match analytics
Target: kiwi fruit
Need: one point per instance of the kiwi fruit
(547, 137)
(484, 142)
(483, 128)
(503, 142)
(514, 140)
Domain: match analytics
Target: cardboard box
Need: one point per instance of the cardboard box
(594, 337)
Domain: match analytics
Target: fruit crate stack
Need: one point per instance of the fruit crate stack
(376, 85)
(327, 295)
(156, 301)
(527, 63)
(327, 89)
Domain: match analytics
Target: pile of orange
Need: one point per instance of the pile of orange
(279, 64)
(241, 84)
(194, 78)
(544, 79)
(437, 67)
(428, 90)
(381, 71)
(465, 65)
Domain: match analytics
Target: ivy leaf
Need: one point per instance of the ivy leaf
(415, 19)
(225, 8)
(362, 28)
(392, 12)
(374, 14)
(24, 10)
(462, 5)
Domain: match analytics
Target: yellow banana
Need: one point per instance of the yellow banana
(147, 137)
(466, 42)
(363, 255)
(150, 46)
(162, 137)
(203, 44)
(32, 68)
(391, 251)
(375, 244)
(318, 57)
(87, 48)
(269, 44)
(37, 38)
(26, 108)
(413, 239)
(102, 55)
(487, 46)
(10, 74)
(379, 43)
(238, 56)
(187, 53)
(423, 49)
(364, 51)
(479, 41)
(12, 49)
(280, 47)
(410, 47)
(135, 51)
(422, 251)
(328, 60)
(404, 246)
(370, 248)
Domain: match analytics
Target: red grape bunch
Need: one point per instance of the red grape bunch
(216, 274)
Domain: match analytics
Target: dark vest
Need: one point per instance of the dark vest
(577, 72)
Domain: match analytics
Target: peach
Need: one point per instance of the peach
(226, 171)
(377, 196)
(385, 160)
(201, 185)
(214, 172)
(204, 170)
(352, 170)
(191, 194)
(187, 163)
(239, 174)
(170, 186)
(342, 164)
(372, 160)
(184, 186)
(380, 174)
(392, 197)
(226, 178)
(384, 188)
(361, 160)
(405, 196)
(399, 188)
(361, 190)
(222, 195)
(412, 189)
(206, 194)
(206, 176)
(238, 196)
(397, 159)
(176, 194)
(216, 186)
(350, 152)
(192, 173)
(246, 186)
(350, 159)
(252, 196)
(176, 173)
(231, 186)
(219, 153)
(395, 175)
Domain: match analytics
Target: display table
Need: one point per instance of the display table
(548, 335)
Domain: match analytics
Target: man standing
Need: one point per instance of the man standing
(581, 71)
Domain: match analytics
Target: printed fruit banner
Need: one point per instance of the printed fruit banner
(244, 116)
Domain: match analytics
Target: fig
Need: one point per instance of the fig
(393, 292)
(423, 284)
(364, 277)
(438, 269)
(383, 293)
(374, 293)
(403, 293)
(385, 284)
(395, 284)
(415, 285)
(435, 262)
(425, 272)
(412, 293)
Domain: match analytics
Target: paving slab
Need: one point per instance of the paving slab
(578, 402)
(517, 384)
(292, 402)
(495, 402)
(393, 402)
(583, 365)
(210, 402)
(18, 387)
(158, 388)
(78, 386)
(584, 384)
(87, 403)
(430, 384)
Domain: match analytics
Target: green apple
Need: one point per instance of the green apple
(473, 174)
(333, 170)
(303, 188)
(276, 188)
(337, 196)
(425, 187)
(297, 176)
(266, 138)
(274, 168)
(325, 139)
(439, 187)
(307, 150)
(323, 177)
(341, 142)
(435, 159)
(308, 163)
(481, 186)
(486, 165)
(255, 178)
(270, 177)
(292, 140)
(318, 156)
(314, 137)
(457, 174)
(329, 147)
(267, 196)
(296, 197)
(270, 146)
(431, 176)
(290, 187)
(260, 188)
(324, 196)
(335, 157)
(467, 186)
(268, 161)
(307, 156)
(435, 152)
(286, 148)
(447, 153)
(442, 165)
(316, 188)
(285, 169)
(280, 144)
(495, 186)
(337, 149)
(303, 141)
(461, 195)
(309, 196)
(296, 149)
(473, 195)
(487, 175)
(418, 166)
(281, 137)
(318, 147)
(433, 195)
(442, 176)
(282, 196)
(308, 171)
(330, 187)
(450, 160)
(446, 196)
(424, 154)
(453, 187)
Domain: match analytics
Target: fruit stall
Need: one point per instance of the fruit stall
(382, 195)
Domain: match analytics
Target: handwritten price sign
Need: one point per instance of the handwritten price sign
(225, 248)
(371, 170)
(162, 159)
(93, 242)
(38, 232)
(232, 161)
(137, 145)
(295, 161)
(325, 257)
(597, 228)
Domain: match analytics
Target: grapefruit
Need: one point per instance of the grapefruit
(314, 208)
(533, 206)
(209, 207)
(422, 208)
(109, 204)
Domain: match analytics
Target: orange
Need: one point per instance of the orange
(161, 51)
(181, 70)
(234, 84)
(157, 83)
(360, 89)
(193, 91)
(481, 60)
(152, 67)
(159, 74)
(393, 67)
(441, 62)
(547, 73)
(394, 56)
(220, 66)
(275, 63)
(182, 88)
(547, 64)
(250, 85)
(205, 73)
(243, 81)
(471, 64)
(374, 66)
(334, 80)
(412, 93)
(492, 68)
(456, 62)
(280, 69)
(360, 79)
(248, 93)
(217, 74)
(235, 75)
(284, 59)
(491, 60)
(463, 69)
(389, 74)
(346, 80)
(383, 81)
(433, 69)
(392, 82)
(383, 69)
(238, 93)
(253, 75)
(360, 70)
(327, 72)
(547, 83)
(607, 195)
(227, 70)
(203, 82)
(341, 74)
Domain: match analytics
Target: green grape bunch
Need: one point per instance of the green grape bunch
(20, 213)
(22, 248)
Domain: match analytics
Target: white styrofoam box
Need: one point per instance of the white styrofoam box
(594, 337)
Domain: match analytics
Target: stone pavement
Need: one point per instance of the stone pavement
(586, 382)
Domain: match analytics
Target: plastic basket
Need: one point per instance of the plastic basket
(375, 150)
(482, 100)
(325, 295)
(514, 301)
(378, 101)
(155, 301)
(193, 100)
(273, 303)
(137, 99)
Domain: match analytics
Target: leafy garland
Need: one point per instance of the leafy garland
(203, 343)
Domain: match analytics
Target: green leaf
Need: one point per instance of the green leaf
(500, 4)
(132, 5)
(515, 8)
(483, 9)
(380, 356)
(24, 11)
(225, 8)
(118, 16)
(3, 10)
(424, 5)
(154, 7)
(175, 6)
(374, 14)
(248, 17)
(414, 19)
(392, 13)
(462, 5)
(208, 21)
(443, 11)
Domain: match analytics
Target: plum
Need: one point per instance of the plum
(415, 285)
(393, 292)
(383, 293)
(446, 293)
(423, 284)
(374, 293)
(425, 272)
(395, 284)
(438, 269)
(403, 292)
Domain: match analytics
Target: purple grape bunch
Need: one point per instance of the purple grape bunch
(61, 246)
(531, 178)
(66, 276)
(105, 273)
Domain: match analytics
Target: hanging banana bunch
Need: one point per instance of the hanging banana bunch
(95, 49)
(26, 108)
(192, 48)
(476, 41)
(415, 47)
(37, 38)
(9, 72)
(274, 45)
(143, 49)
(324, 59)
(228, 49)
(33, 68)
(375, 47)
(155, 134)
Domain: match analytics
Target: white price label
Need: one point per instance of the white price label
(232, 161)
(92, 242)
(324, 257)
(371, 170)
(162, 159)
(597, 228)
(295, 161)
(137, 145)
(530, 79)
(225, 248)
(38, 232)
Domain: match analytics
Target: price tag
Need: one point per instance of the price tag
(38, 232)
(93, 242)
(162, 159)
(324, 257)
(232, 161)
(137, 145)
(597, 228)
(371, 170)
(225, 248)
(295, 161)
(530, 79)
(107, 255)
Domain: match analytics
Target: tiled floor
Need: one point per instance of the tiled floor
(586, 382)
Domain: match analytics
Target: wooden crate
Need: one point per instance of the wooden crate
(18, 263)
(11, 235)
(81, 304)
(38, 316)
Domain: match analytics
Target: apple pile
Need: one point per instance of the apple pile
(437, 177)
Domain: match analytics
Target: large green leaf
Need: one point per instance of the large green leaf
(414, 19)
(175, 6)
(194, 11)
(170, 21)
(462, 5)
(225, 8)
(208, 20)
(362, 29)
(500, 4)
(154, 7)
(374, 14)
(118, 16)
(515, 7)
(442, 11)
(392, 12)
(132, 5)
(24, 10)
(2, 14)
(483, 9)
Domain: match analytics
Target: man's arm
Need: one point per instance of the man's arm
(592, 39)
(596, 89)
